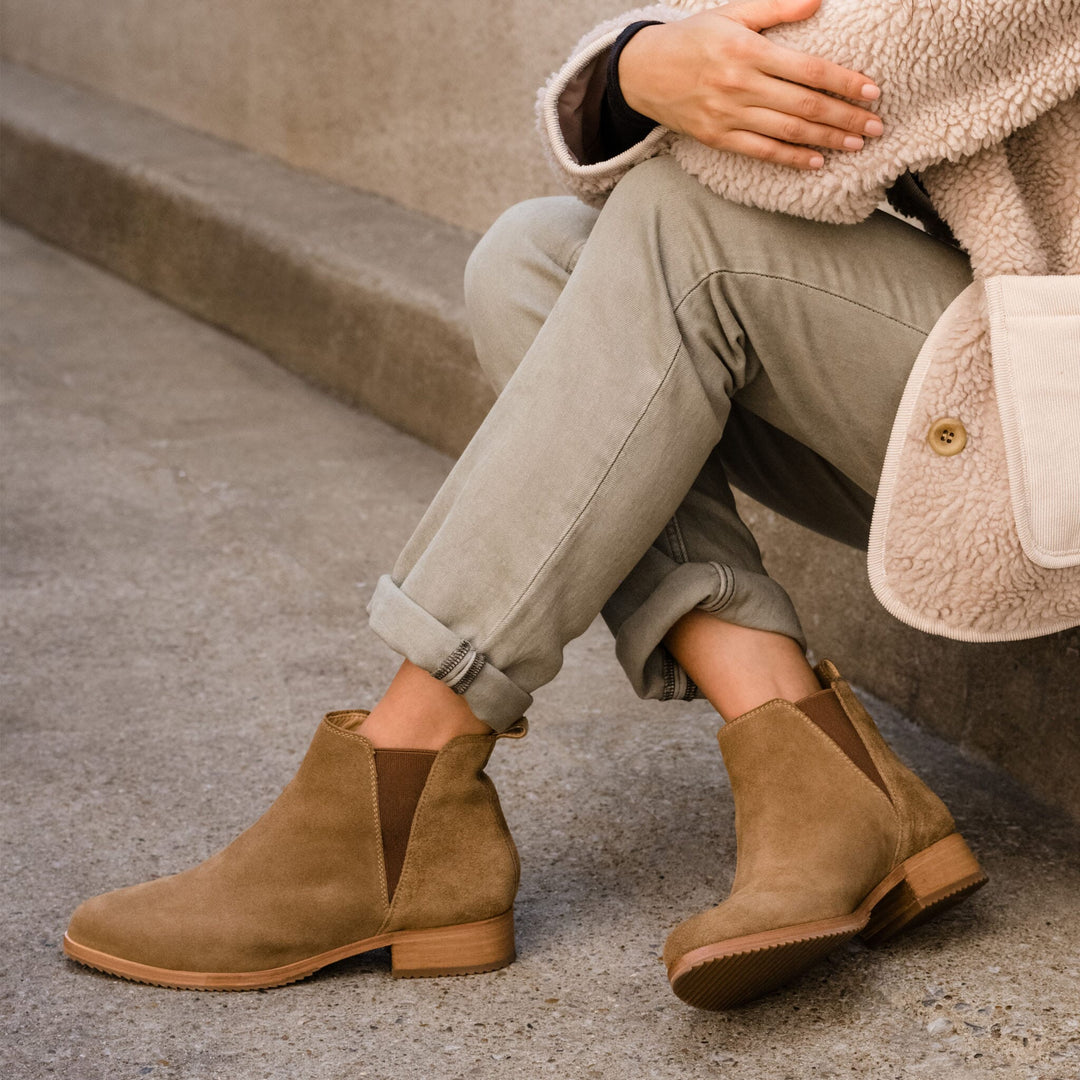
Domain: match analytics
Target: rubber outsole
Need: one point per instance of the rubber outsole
(730, 973)
(467, 949)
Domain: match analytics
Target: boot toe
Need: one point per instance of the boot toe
(747, 915)
(734, 918)
(89, 924)
(126, 924)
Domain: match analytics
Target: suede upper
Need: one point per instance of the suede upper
(815, 834)
(308, 876)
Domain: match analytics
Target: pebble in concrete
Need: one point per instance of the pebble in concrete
(191, 535)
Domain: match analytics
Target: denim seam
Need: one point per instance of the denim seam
(725, 589)
(668, 667)
(575, 254)
(802, 284)
(470, 676)
(671, 670)
(676, 540)
(452, 660)
(588, 502)
(460, 669)
(679, 348)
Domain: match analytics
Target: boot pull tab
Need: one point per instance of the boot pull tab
(827, 673)
(518, 730)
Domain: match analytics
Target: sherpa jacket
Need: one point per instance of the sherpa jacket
(980, 101)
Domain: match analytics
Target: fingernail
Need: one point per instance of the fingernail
(874, 127)
(871, 91)
(852, 142)
(817, 161)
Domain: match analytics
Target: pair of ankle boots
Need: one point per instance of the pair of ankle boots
(370, 848)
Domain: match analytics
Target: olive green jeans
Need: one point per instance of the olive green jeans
(647, 355)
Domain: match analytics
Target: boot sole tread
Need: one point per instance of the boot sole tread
(731, 972)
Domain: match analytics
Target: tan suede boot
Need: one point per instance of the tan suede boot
(835, 837)
(343, 862)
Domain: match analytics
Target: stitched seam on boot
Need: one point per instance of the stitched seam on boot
(334, 714)
(904, 832)
(753, 712)
(851, 764)
(373, 781)
(903, 835)
(407, 874)
(870, 766)
(503, 829)
(832, 749)
(499, 821)
(407, 871)
(351, 735)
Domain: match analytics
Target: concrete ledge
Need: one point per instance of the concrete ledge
(364, 298)
(345, 288)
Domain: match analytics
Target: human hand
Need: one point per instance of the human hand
(714, 77)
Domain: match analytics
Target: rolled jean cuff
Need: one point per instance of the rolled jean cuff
(729, 592)
(410, 630)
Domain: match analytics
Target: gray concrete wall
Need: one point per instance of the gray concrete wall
(427, 102)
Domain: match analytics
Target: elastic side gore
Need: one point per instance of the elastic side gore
(827, 713)
(401, 776)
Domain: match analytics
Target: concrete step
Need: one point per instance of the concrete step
(342, 287)
(364, 298)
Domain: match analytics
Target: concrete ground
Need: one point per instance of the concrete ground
(191, 535)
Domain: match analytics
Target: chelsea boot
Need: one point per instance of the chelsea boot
(835, 837)
(364, 848)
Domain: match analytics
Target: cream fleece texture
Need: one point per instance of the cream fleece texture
(980, 98)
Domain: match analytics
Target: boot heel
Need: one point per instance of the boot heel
(934, 879)
(454, 950)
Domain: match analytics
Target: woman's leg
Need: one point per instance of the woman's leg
(809, 330)
(679, 304)
(514, 277)
(736, 667)
(512, 281)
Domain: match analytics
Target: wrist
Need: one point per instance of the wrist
(633, 66)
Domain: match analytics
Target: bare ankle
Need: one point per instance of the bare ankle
(738, 668)
(418, 712)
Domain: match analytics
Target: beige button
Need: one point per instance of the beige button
(947, 436)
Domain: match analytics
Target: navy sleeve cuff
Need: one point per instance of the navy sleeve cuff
(620, 126)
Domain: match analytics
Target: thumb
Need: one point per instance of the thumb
(759, 14)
